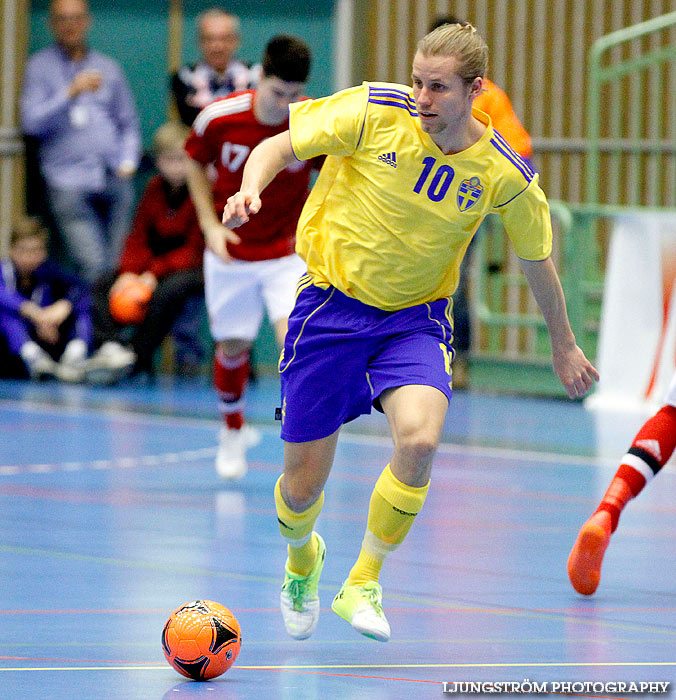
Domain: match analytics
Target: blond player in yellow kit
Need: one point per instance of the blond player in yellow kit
(409, 176)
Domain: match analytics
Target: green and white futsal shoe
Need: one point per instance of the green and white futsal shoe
(362, 607)
(299, 599)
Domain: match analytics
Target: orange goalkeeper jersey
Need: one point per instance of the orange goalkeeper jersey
(495, 103)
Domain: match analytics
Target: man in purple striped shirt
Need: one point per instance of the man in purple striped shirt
(77, 103)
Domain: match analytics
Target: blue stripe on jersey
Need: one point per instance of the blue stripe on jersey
(391, 92)
(412, 112)
(514, 159)
(393, 98)
(503, 141)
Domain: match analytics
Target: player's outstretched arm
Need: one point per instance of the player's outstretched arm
(215, 234)
(574, 370)
(265, 161)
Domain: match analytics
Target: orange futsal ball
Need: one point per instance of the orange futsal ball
(129, 302)
(201, 639)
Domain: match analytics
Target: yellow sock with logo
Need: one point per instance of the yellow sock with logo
(296, 529)
(392, 511)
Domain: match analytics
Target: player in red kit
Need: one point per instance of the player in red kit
(255, 270)
(651, 449)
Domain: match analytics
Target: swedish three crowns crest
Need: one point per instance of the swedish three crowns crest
(469, 192)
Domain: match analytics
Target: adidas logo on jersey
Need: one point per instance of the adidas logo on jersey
(389, 159)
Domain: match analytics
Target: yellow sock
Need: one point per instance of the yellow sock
(392, 511)
(296, 529)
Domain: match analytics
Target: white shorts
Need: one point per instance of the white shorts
(238, 292)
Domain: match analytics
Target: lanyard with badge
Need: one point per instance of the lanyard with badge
(78, 113)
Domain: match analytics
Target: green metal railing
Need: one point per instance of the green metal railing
(502, 304)
(630, 168)
(627, 142)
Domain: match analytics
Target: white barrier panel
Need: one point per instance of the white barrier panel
(637, 338)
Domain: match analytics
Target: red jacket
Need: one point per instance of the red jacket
(165, 236)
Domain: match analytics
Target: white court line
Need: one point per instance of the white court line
(166, 458)
(445, 448)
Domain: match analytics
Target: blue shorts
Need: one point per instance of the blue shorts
(340, 355)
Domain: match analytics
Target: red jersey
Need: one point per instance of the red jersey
(224, 133)
(165, 236)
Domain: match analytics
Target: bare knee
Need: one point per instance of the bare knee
(416, 415)
(413, 455)
(300, 494)
(306, 470)
(419, 448)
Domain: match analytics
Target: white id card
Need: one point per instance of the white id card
(79, 116)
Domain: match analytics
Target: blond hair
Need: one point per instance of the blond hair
(24, 227)
(169, 137)
(463, 42)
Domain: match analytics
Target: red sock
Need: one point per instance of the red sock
(231, 376)
(650, 451)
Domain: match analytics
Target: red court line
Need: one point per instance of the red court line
(78, 661)
(287, 670)
(576, 611)
(343, 675)
(429, 608)
(241, 668)
(408, 680)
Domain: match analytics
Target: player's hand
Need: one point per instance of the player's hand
(217, 236)
(238, 208)
(574, 370)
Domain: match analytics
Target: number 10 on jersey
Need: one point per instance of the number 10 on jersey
(441, 181)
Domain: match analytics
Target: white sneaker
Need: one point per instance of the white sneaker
(71, 366)
(109, 363)
(38, 362)
(252, 436)
(70, 372)
(43, 367)
(230, 458)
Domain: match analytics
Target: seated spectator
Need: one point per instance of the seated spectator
(45, 316)
(78, 107)
(164, 250)
(45, 322)
(218, 73)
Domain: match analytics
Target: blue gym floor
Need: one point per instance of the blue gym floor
(112, 516)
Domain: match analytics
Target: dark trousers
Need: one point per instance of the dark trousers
(166, 304)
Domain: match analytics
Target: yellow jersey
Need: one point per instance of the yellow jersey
(390, 216)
